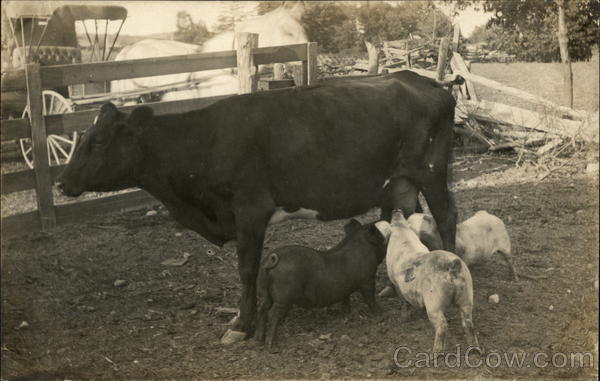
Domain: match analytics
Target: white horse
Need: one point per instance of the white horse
(278, 27)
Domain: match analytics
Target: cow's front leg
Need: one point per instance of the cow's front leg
(251, 222)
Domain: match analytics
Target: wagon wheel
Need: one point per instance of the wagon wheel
(60, 147)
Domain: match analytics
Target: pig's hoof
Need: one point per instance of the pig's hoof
(387, 292)
(232, 337)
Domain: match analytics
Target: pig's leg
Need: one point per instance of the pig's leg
(276, 314)
(466, 315)
(261, 318)
(436, 303)
(407, 312)
(388, 291)
(367, 290)
(507, 257)
(438, 320)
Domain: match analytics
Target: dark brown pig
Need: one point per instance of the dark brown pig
(298, 275)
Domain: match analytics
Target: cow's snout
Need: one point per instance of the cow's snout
(65, 189)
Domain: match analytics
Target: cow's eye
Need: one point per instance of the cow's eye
(97, 144)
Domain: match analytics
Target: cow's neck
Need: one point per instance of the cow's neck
(172, 149)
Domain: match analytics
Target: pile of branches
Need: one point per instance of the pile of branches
(333, 65)
(549, 131)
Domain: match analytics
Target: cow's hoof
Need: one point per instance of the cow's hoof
(232, 337)
(234, 320)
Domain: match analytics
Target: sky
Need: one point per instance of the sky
(150, 17)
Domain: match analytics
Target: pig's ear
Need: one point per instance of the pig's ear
(351, 226)
(374, 236)
(383, 229)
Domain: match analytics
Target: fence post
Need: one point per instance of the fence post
(43, 178)
(456, 38)
(442, 58)
(309, 67)
(247, 75)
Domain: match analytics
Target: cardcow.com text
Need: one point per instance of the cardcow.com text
(471, 357)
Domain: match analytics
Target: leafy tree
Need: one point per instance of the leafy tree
(190, 32)
(530, 28)
(234, 13)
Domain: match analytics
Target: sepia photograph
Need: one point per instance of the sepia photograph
(291, 190)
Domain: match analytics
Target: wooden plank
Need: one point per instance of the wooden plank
(25, 180)
(20, 224)
(575, 114)
(311, 63)
(458, 65)
(63, 75)
(279, 54)
(14, 129)
(43, 181)
(247, 77)
(81, 120)
(85, 210)
(26, 223)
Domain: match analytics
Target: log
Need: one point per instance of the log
(514, 116)
(574, 114)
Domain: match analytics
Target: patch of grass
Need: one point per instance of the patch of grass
(542, 79)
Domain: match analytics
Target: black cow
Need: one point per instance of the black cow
(338, 148)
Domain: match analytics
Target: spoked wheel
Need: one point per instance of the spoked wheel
(60, 147)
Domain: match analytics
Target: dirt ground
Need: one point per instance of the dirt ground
(164, 322)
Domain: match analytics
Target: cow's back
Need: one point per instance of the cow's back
(328, 147)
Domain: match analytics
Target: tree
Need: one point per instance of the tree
(234, 13)
(383, 22)
(531, 27)
(190, 32)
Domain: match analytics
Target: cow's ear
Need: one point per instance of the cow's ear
(139, 118)
(108, 111)
(351, 226)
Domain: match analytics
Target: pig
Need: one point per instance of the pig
(297, 275)
(477, 238)
(425, 227)
(428, 279)
(480, 237)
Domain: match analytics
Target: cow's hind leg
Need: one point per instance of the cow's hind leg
(443, 209)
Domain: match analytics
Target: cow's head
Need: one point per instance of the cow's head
(109, 153)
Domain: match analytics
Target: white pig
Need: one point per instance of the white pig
(431, 280)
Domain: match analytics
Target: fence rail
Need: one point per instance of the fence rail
(42, 177)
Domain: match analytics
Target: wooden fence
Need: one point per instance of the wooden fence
(42, 177)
